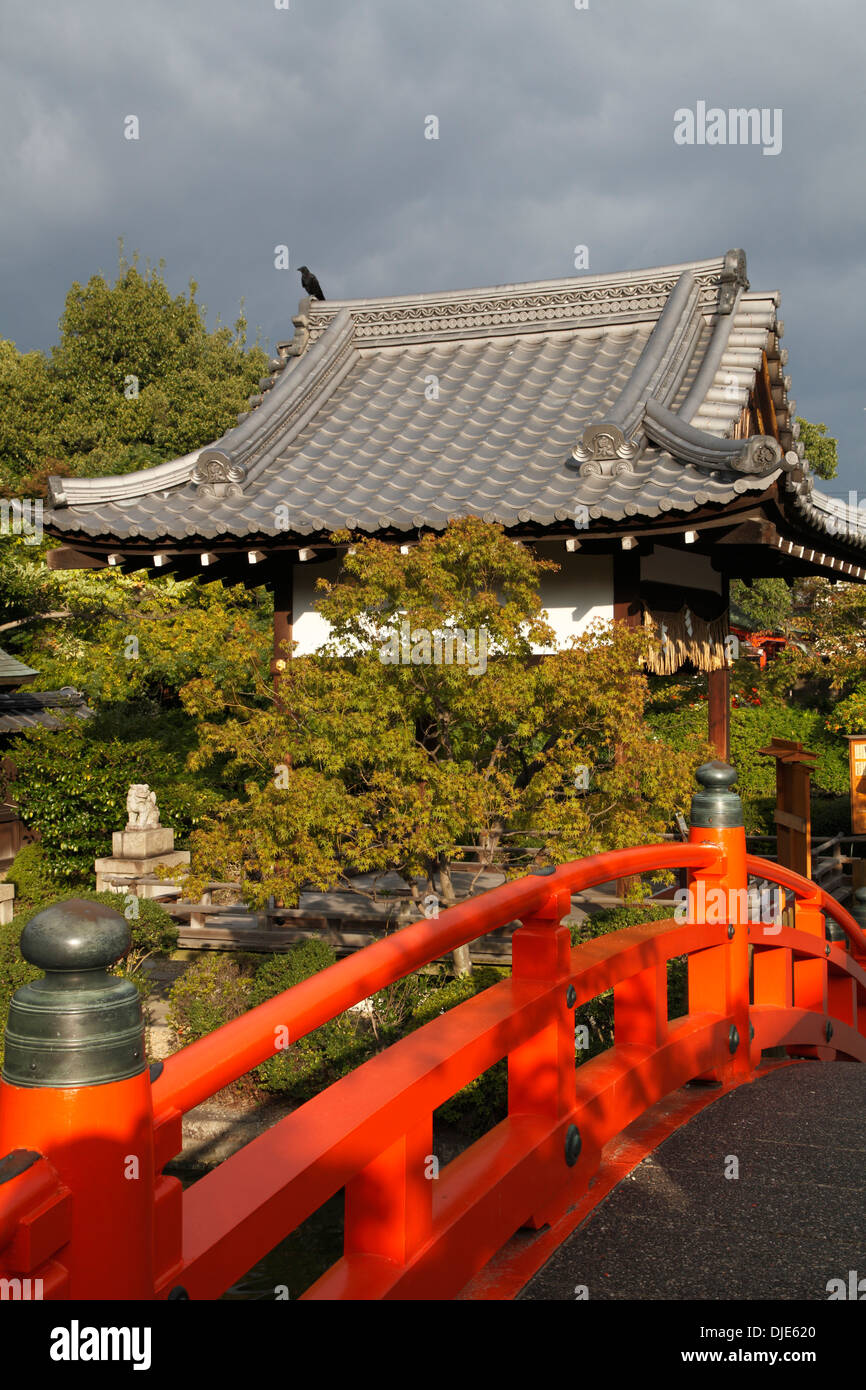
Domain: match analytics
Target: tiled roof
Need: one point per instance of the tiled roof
(14, 672)
(615, 394)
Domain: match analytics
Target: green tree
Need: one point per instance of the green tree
(120, 638)
(821, 449)
(765, 603)
(368, 764)
(71, 785)
(832, 624)
(136, 378)
(129, 642)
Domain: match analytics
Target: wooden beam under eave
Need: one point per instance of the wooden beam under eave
(67, 558)
(764, 398)
(754, 531)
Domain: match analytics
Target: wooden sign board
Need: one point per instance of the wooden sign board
(857, 765)
(793, 815)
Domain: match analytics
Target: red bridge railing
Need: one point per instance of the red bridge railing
(86, 1207)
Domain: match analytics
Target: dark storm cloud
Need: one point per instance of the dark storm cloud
(305, 126)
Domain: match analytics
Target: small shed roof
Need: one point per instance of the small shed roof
(13, 672)
(20, 710)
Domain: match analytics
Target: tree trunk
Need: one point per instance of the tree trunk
(461, 957)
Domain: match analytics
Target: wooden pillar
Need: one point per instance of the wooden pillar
(719, 712)
(283, 622)
(626, 609)
(626, 587)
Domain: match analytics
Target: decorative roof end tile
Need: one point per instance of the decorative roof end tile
(217, 475)
(603, 451)
(732, 279)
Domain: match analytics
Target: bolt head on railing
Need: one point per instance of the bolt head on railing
(715, 806)
(78, 1026)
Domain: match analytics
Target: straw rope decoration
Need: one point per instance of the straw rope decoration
(683, 636)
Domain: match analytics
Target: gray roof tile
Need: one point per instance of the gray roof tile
(347, 435)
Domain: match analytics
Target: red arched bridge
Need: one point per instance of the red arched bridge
(86, 1128)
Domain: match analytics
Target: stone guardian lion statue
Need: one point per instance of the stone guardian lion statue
(141, 807)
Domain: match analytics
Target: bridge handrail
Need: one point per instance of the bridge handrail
(204, 1067)
(395, 1093)
(371, 1134)
(805, 888)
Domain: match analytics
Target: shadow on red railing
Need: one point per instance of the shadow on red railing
(752, 985)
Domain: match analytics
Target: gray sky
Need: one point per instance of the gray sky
(305, 126)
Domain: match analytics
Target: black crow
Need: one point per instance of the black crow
(310, 283)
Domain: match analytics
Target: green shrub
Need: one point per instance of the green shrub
(612, 919)
(14, 970)
(281, 972)
(29, 873)
(152, 929)
(753, 726)
(484, 1102)
(72, 785)
(678, 986)
(831, 815)
(214, 990)
(310, 1063)
(445, 992)
(480, 1105)
(393, 1008)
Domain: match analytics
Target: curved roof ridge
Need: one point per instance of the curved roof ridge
(227, 460)
(534, 306)
(248, 446)
(116, 487)
(622, 277)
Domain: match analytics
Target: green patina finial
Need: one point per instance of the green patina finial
(715, 805)
(78, 1026)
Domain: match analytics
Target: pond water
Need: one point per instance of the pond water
(304, 1256)
(298, 1261)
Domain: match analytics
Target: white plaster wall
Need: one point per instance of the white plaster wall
(580, 594)
(309, 629)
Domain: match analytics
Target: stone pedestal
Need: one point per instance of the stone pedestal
(7, 903)
(141, 848)
(130, 868)
(142, 844)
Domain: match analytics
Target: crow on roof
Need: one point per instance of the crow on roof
(310, 283)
